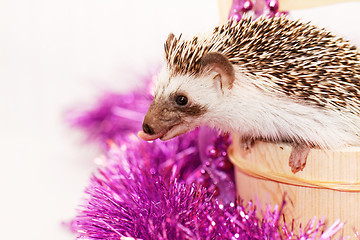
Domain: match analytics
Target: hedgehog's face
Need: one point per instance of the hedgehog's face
(181, 103)
(174, 110)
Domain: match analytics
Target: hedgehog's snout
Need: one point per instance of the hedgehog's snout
(147, 129)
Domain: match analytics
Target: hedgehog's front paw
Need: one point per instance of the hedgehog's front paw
(298, 157)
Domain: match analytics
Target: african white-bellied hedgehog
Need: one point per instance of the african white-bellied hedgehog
(272, 79)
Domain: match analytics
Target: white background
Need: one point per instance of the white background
(57, 54)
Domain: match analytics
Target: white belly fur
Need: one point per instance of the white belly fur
(254, 113)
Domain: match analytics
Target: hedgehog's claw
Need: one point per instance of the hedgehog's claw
(298, 157)
(246, 143)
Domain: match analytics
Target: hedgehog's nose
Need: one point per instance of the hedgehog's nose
(147, 129)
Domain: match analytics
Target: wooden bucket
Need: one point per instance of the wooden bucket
(327, 187)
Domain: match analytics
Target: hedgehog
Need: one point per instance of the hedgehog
(270, 79)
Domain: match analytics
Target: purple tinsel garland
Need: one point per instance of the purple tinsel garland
(130, 197)
(181, 189)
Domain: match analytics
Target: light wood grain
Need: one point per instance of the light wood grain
(224, 9)
(328, 167)
(288, 5)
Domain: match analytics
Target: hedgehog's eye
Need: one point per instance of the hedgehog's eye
(181, 100)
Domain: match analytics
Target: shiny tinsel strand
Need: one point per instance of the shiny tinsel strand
(114, 114)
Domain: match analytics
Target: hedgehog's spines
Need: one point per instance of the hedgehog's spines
(293, 58)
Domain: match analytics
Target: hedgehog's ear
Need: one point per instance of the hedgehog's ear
(168, 42)
(219, 64)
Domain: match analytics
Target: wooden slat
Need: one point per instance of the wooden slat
(288, 5)
(325, 169)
